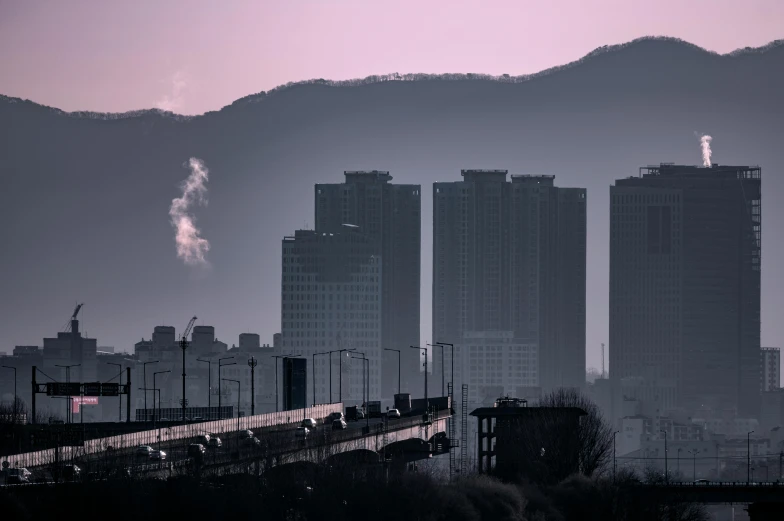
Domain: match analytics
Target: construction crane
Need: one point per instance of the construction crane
(184, 346)
(69, 325)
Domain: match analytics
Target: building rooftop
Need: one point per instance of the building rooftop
(532, 412)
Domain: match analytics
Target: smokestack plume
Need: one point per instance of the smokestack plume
(705, 142)
(191, 248)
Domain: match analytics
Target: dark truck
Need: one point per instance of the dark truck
(374, 409)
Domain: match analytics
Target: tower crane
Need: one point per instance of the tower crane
(69, 325)
(185, 333)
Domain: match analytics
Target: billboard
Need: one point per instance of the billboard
(295, 379)
(76, 401)
(63, 389)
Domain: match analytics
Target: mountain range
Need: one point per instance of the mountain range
(85, 196)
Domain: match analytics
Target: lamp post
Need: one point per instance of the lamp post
(153, 404)
(220, 412)
(183, 346)
(144, 370)
(119, 395)
(614, 453)
(209, 384)
(748, 456)
(427, 402)
(276, 379)
(154, 387)
(340, 371)
(365, 360)
(313, 371)
(694, 459)
(252, 363)
(15, 397)
(452, 354)
(666, 470)
(679, 459)
(239, 393)
(69, 413)
(398, 366)
(442, 365)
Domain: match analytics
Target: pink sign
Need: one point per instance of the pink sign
(79, 400)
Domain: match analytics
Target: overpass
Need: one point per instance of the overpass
(276, 430)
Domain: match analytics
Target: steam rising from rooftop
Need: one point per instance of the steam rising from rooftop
(191, 247)
(705, 142)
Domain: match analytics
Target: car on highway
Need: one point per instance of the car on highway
(335, 416)
(245, 434)
(360, 414)
(310, 423)
(158, 455)
(143, 450)
(393, 413)
(71, 472)
(339, 424)
(701, 482)
(253, 441)
(301, 432)
(215, 443)
(196, 450)
(204, 439)
(198, 419)
(16, 477)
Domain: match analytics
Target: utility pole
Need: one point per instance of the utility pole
(398, 366)
(427, 402)
(666, 471)
(452, 354)
(119, 396)
(209, 384)
(366, 389)
(748, 456)
(340, 371)
(252, 363)
(144, 371)
(694, 459)
(154, 387)
(220, 377)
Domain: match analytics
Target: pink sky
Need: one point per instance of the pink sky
(197, 55)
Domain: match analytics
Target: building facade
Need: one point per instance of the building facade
(509, 268)
(390, 215)
(770, 369)
(332, 300)
(685, 288)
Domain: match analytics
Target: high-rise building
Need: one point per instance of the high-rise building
(331, 299)
(770, 369)
(509, 282)
(685, 288)
(390, 215)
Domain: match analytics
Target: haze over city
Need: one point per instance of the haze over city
(308, 256)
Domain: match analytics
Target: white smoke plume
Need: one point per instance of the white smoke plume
(191, 248)
(705, 142)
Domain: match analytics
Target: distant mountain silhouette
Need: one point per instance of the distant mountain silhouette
(84, 196)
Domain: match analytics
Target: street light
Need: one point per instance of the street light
(220, 413)
(239, 393)
(427, 403)
(252, 363)
(367, 411)
(119, 395)
(159, 394)
(313, 371)
(69, 413)
(144, 370)
(666, 470)
(748, 456)
(452, 376)
(398, 366)
(153, 403)
(614, 453)
(209, 383)
(340, 371)
(679, 459)
(15, 397)
(694, 455)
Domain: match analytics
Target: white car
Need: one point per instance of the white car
(302, 432)
(214, 443)
(245, 434)
(393, 413)
(310, 423)
(158, 455)
(203, 439)
(339, 424)
(143, 450)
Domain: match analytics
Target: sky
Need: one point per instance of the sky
(193, 56)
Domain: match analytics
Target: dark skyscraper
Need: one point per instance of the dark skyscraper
(685, 287)
(509, 281)
(390, 215)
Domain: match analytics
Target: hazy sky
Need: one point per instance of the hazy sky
(192, 56)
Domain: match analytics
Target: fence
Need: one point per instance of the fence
(47, 457)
